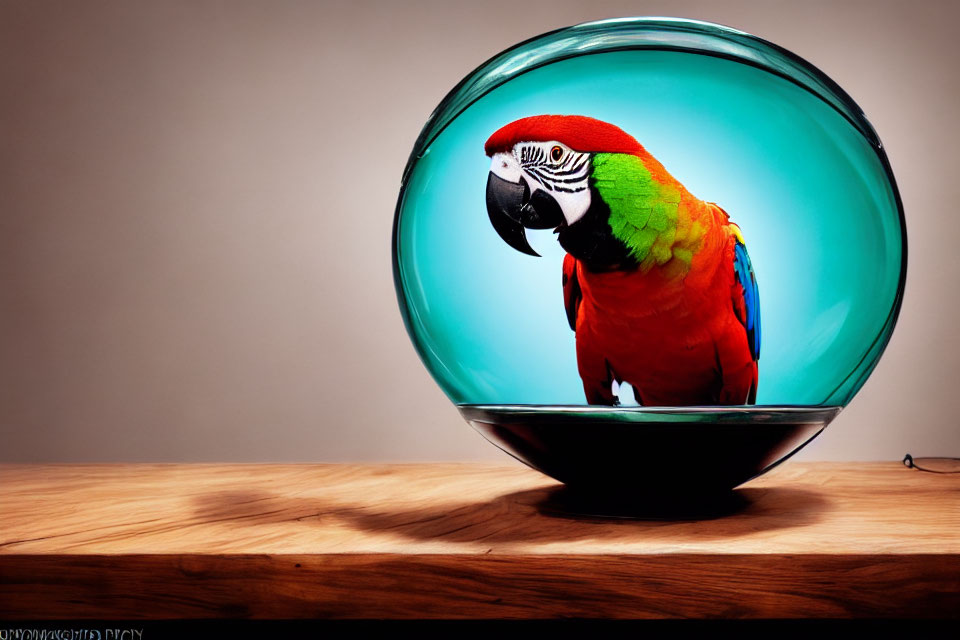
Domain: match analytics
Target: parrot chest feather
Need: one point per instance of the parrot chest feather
(655, 340)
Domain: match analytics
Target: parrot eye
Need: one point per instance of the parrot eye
(556, 153)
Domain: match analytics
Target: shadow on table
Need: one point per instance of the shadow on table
(552, 513)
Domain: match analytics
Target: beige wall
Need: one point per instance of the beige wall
(196, 202)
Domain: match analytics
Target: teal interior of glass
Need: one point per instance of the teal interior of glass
(739, 122)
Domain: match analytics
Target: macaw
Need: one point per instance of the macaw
(657, 284)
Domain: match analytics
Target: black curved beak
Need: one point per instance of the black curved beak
(512, 211)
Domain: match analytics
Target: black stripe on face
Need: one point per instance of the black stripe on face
(551, 184)
(555, 172)
(541, 179)
(569, 180)
(572, 169)
(564, 169)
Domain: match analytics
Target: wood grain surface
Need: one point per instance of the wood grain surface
(161, 541)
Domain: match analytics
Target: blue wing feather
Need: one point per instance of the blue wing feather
(751, 297)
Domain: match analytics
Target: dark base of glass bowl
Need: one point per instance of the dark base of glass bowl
(649, 458)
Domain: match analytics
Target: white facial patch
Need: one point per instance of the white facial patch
(552, 167)
(505, 166)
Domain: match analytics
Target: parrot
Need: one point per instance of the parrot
(657, 285)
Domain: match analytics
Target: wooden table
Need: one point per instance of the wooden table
(162, 541)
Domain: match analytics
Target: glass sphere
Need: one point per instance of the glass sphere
(738, 122)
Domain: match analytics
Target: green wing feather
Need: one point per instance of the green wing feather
(643, 212)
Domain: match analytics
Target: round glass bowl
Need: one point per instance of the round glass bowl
(739, 122)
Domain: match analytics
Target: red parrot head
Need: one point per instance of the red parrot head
(540, 178)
